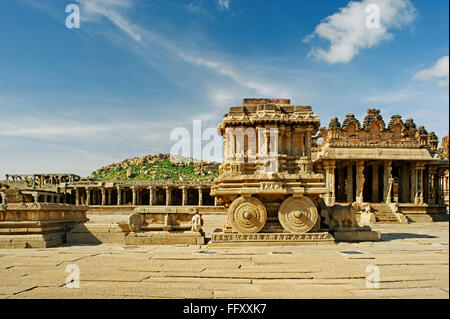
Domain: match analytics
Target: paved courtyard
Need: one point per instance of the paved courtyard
(410, 262)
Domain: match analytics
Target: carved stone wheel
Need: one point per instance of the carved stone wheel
(298, 214)
(247, 215)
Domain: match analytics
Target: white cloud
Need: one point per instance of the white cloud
(196, 8)
(224, 4)
(108, 8)
(438, 72)
(348, 32)
(144, 36)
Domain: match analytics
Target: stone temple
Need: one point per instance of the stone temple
(284, 178)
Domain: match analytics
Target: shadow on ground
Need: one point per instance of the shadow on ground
(395, 236)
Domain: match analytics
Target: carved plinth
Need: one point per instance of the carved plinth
(165, 238)
(219, 237)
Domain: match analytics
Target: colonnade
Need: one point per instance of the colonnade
(379, 181)
(168, 195)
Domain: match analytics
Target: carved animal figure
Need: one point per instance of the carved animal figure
(197, 223)
(338, 216)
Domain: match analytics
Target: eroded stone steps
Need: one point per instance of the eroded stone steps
(384, 214)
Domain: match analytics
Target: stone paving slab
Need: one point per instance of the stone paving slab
(412, 261)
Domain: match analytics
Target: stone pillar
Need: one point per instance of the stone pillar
(386, 178)
(152, 195)
(133, 190)
(103, 190)
(349, 186)
(119, 196)
(183, 195)
(88, 196)
(341, 184)
(329, 171)
(440, 187)
(375, 183)
(200, 196)
(77, 196)
(36, 197)
(360, 181)
(420, 186)
(168, 195)
(431, 185)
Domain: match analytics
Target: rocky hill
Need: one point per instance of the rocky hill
(159, 167)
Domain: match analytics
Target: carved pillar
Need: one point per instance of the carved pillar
(133, 190)
(77, 196)
(360, 181)
(103, 190)
(431, 187)
(119, 196)
(420, 186)
(200, 196)
(349, 186)
(440, 187)
(329, 171)
(183, 195)
(168, 195)
(36, 197)
(88, 196)
(152, 195)
(386, 178)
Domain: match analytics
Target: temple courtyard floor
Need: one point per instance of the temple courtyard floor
(411, 261)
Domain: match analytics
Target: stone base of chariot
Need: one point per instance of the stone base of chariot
(351, 235)
(227, 239)
(165, 238)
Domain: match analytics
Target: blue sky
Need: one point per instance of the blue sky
(73, 100)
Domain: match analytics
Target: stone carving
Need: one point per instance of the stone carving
(271, 186)
(389, 192)
(298, 215)
(247, 215)
(339, 216)
(197, 223)
(135, 221)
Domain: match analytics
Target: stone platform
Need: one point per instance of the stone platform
(38, 225)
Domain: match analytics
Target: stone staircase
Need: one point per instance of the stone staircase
(384, 214)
